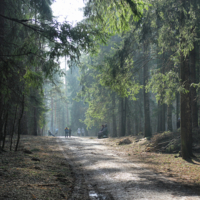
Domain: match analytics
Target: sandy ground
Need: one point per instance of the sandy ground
(103, 173)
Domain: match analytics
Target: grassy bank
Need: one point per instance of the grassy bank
(37, 171)
(169, 164)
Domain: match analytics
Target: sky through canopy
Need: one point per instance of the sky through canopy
(69, 10)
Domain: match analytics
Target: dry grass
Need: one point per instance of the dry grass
(43, 174)
(185, 172)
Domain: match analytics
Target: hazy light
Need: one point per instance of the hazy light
(69, 10)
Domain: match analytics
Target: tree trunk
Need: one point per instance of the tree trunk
(128, 127)
(177, 106)
(1, 53)
(63, 122)
(5, 131)
(52, 114)
(19, 123)
(159, 127)
(24, 124)
(193, 90)
(114, 133)
(137, 117)
(125, 115)
(67, 113)
(55, 116)
(35, 127)
(129, 132)
(122, 118)
(147, 125)
(13, 128)
(163, 128)
(186, 127)
(169, 117)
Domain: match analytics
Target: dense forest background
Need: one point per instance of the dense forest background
(132, 65)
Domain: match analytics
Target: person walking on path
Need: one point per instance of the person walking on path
(79, 132)
(66, 132)
(70, 131)
(83, 132)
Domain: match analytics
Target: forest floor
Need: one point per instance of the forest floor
(169, 164)
(114, 169)
(38, 170)
(59, 168)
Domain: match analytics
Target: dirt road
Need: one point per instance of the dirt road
(103, 173)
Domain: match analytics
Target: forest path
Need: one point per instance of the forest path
(103, 173)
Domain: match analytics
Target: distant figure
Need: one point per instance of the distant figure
(66, 132)
(70, 131)
(103, 133)
(56, 131)
(79, 132)
(50, 133)
(178, 123)
(105, 130)
(101, 130)
(83, 132)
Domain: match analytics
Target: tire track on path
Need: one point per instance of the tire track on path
(106, 175)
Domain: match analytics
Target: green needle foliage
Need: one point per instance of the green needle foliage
(154, 60)
(31, 43)
(114, 16)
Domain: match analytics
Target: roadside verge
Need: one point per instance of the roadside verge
(37, 171)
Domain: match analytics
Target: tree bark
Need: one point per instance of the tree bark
(177, 106)
(114, 129)
(147, 125)
(122, 118)
(19, 123)
(129, 132)
(136, 117)
(158, 119)
(52, 114)
(2, 9)
(186, 126)
(193, 90)
(35, 129)
(5, 130)
(125, 115)
(161, 117)
(13, 128)
(66, 90)
(169, 117)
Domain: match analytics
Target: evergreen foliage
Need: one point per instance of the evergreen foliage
(31, 43)
(154, 51)
(138, 68)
